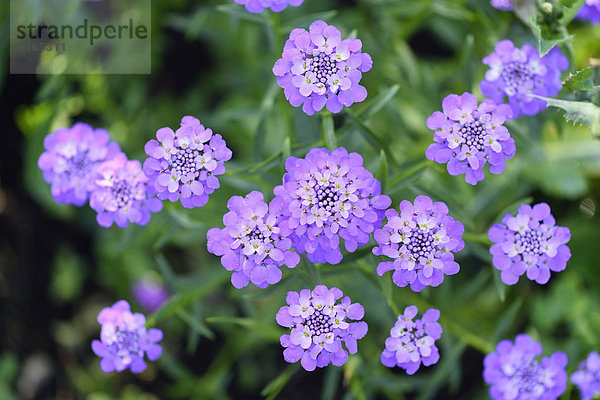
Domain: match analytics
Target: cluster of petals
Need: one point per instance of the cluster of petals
(530, 243)
(124, 340)
(515, 374)
(257, 6)
(590, 11)
(318, 69)
(149, 294)
(183, 165)
(251, 244)
(587, 377)
(327, 196)
(504, 5)
(320, 328)
(420, 240)
(467, 136)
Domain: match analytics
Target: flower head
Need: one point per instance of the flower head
(252, 244)
(320, 325)
(124, 340)
(183, 165)
(590, 11)
(318, 69)
(420, 240)
(517, 73)
(257, 6)
(149, 294)
(515, 374)
(587, 377)
(327, 196)
(71, 160)
(468, 136)
(413, 342)
(504, 5)
(529, 243)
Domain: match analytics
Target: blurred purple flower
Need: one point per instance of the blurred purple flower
(124, 340)
(587, 377)
(251, 244)
(149, 294)
(413, 342)
(468, 136)
(529, 243)
(515, 374)
(590, 11)
(183, 165)
(257, 6)
(517, 73)
(71, 159)
(318, 69)
(504, 5)
(319, 327)
(421, 240)
(327, 196)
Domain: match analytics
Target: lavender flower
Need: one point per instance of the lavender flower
(257, 6)
(71, 159)
(318, 69)
(590, 11)
(252, 244)
(319, 327)
(529, 243)
(517, 73)
(183, 165)
(413, 342)
(515, 374)
(120, 195)
(149, 294)
(587, 377)
(504, 5)
(421, 240)
(468, 136)
(327, 196)
(124, 340)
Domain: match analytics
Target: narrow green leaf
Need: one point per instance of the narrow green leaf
(500, 286)
(383, 170)
(380, 101)
(274, 387)
(578, 112)
(266, 331)
(581, 80)
(330, 384)
(197, 325)
(328, 131)
(507, 319)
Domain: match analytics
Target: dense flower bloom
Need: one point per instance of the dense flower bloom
(121, 196)
(515, 374)
(124, 340)
(590, 11)
(327, 196)
(529, 243)
(319, 327)
(318, 69)
(257, 6)
(468, 136)
(421, 240)
(183, 165)
(587, 377)
(149, 294)
(251, 244)
(71, 159)
(517, 73)
(413, 342)
(504, 5)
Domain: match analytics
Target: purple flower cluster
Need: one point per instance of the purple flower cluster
(183, 165)
(124, 340)
(327, 196)
(257, 6)
(318, 69)
(531, 243)
(319, 327)
(515, 374)
(468, 136)
(517, 73)
(252, 244)
(421, 240)
(504, 5)
(71, 161)
(149, 294)
(413, 342)
(587, 377)
(590, 11)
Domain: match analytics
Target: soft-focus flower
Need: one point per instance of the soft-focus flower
(468, 136)
(71, 159)
(504, 5)
(320, 326)
(421, 240)
(515, 374)
(590, 11)
(149, 294)
(124, 340)
(252, 244)
(318, 69)
(327, 196)
(120, 195)
(183, 165)
(517, 73)
(529, 243)
(413, 342)
(587, 377)
(257, 6)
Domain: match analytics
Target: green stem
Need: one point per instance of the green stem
(477, 238)
(328, 131)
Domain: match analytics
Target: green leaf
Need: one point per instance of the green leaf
(500, 286)
(197, 325)
(274, 387)
(328, 131)
(545, 44)
(570, 9)
(266, 331)
(382, 170)
(581, 80)
(507, 319)
(578, 112)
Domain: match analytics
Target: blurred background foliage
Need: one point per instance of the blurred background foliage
(213, 60)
